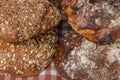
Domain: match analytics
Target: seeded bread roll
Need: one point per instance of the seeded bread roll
(80, 59)
(97, 20)
(22, 19)
(27, 58)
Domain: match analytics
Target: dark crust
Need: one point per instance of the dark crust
(23, 19)
(104, 69)
(29, 57)
(65, 47)
(88, 11)
(94, 19)
(56, 2)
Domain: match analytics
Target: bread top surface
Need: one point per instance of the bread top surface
(23, 19)
(80, 59)
(93, 13)
(27, 58)
(94, 19)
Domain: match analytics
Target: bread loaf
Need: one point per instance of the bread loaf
(23, 19)
(97, 20)
(29, 57)
(79, 59)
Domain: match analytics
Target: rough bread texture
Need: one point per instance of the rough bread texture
(22, 19)
(29, 57)
(56, 2)
(97, 20)
(80, 59)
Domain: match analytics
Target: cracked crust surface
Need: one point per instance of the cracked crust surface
(79, 59)
(97, 20)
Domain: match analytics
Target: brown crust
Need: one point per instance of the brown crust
(64, 47)
(80, 59)
(56, 2)
(22, 19)
(29, 57)
(94, 19)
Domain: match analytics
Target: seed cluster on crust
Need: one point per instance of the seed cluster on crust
(29, 57)
(94, 19)
(23, 19)
(88, 61)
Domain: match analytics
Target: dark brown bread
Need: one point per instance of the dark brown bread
(56, 2)
(22, 19)
(80, 59)
(29, 57)
(97, 20)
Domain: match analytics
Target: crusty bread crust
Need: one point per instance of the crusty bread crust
(22, 19)
(29, 57)
(97, 20)
(79, 59)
